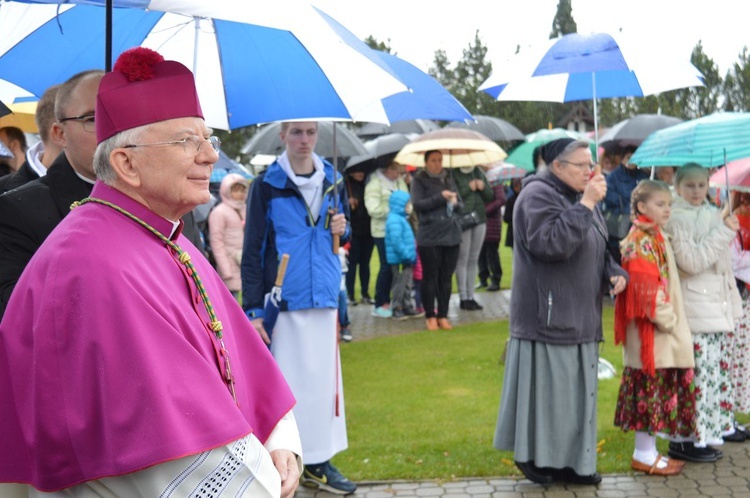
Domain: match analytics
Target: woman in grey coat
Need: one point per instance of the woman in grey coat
(561, 271)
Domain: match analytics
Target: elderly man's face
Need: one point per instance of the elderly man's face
(174, 178)
(575, 169)
(78, 143)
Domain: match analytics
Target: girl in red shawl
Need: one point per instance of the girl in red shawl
(657, 390)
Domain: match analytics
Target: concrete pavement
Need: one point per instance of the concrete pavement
(729, 477)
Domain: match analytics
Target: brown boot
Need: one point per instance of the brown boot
(432, 323)
(444, 324)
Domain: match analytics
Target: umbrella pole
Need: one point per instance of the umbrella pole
(195, 44)
(108, 36)
(596, 117)
(726, 177)
(336, 238)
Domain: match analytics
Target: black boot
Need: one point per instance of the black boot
(534, 473)
(687, 451)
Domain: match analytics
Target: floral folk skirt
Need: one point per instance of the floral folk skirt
(664, 403)
(739, 359)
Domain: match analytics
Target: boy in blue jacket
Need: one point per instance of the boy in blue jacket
(401, 254)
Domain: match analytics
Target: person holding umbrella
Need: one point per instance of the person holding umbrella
(561, 272)
(291, 211)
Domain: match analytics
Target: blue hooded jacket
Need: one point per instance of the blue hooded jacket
(278, 222)
(400, 247)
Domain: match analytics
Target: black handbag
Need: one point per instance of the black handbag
(468, 220)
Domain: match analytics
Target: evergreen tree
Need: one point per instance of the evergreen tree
(471, 71)
(563, 23)
(737, 85)
(374, 44)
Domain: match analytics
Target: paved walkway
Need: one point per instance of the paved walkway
(729, 477)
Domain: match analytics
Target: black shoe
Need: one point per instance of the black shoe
(688, 452)
(463, 305)
(719, 454)
(473, 305)
(534, 473)
(739, 436)
(493, 287)
(569, 475)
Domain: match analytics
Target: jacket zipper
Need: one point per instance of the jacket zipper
(549, 308)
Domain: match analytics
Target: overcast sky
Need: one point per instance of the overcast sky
(417, 28)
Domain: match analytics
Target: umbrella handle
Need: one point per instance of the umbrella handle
(282, 270)
(336, 243)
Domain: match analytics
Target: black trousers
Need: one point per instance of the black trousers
(360, 253)
(438, 265)
(489, 263)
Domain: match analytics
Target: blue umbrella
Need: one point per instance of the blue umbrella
(600, 65)
(709, 141)
(246, 72)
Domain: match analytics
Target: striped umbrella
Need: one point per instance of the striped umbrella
(709, 141)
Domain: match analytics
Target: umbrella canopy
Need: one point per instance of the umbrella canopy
(249, 62)
(705, 141)
(459, 147)
(504, 171)
(495, 129)
(380, 152)
(21, 115)
(589, 67)
(417, 126)
(267, 140)
(633, 131)
(425, 97)
(521, 155)
(735, 175)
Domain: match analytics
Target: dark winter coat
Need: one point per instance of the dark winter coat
(561, 267)
(437, 223)
(493, 210)
(473, 200)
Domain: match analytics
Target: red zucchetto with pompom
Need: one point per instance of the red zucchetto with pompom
(142, 89)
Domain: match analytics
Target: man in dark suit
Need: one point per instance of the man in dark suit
(40, 156)
(29, 213)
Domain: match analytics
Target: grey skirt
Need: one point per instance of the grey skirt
(548, 405)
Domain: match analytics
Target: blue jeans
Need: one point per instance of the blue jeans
(383, 283)
(343, 310)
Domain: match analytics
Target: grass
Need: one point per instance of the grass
(424, 406)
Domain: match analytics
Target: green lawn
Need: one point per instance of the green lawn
(424, 405)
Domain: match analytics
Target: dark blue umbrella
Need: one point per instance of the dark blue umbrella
(273, 300)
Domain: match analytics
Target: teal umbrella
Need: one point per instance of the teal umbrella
(709, 141)
(521, 154)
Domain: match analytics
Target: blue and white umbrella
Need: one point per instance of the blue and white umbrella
(253, 63)
(582, 67)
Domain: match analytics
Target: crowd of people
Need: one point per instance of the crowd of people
(103, 270)
(677, 271)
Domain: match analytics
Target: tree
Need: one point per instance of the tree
(563, 23)
(374, 44)
(694, 102)
(737, 84)
(471, 71)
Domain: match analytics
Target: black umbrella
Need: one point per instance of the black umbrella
(496, 129)
(633, 131)
(267, 140)
(380, 152)
(418, 126)
(4, 109)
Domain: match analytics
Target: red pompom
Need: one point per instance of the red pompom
(137, 63)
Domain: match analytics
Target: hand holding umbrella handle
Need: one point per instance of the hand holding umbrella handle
(336, 243)
(282, 270)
